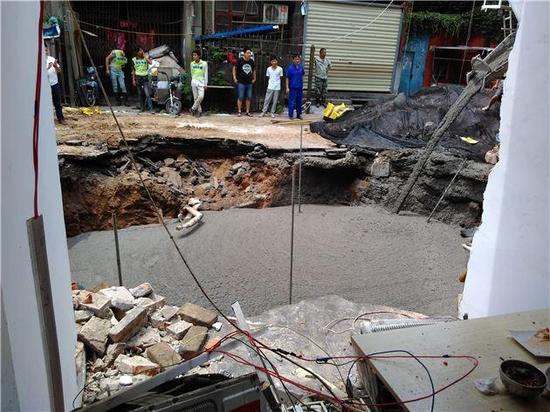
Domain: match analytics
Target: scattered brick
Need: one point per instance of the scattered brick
(130, 324)
(197, 315)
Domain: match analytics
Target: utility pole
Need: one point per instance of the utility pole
(188, 17)
(310, 69)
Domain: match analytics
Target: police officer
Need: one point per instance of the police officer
(114, 64)
(140, 79)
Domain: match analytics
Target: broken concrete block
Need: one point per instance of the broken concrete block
(150, 303)
(159, 318)
(163, 355)
(82, 315)
(169, 162)
(98, 365)
(109, 385)
(121, 298)
(217, 326)
(130, 324)
(95, 334)
(112, 353)
(380, 167)
(99, 305)
(179, 329)
(193, 341)
(142, 290)
(80, 363)
(135, 365)
(146, 337)
(197, 315)
(125, 380)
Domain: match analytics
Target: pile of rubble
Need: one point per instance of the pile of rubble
(128, 335)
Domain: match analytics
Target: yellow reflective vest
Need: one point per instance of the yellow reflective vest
(140, 66)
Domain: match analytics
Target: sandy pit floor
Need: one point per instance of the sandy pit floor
(362, 253)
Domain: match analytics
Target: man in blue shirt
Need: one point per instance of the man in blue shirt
(295, 87)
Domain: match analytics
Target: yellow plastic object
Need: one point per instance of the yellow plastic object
(333, 112)
(468, 140)
(154, 72)
(90, 111)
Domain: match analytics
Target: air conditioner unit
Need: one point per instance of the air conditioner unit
(275, 13)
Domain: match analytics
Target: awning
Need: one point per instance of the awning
(237, 33)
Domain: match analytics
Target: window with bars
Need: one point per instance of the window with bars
(230, 15)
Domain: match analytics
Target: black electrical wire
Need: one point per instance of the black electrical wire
(399, 351)
(156, 210)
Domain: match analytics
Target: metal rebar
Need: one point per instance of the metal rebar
(291, 235)
(117, 249)
(447, 189)
(300, 170)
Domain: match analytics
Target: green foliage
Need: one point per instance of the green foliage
(487, 24)
(437, 23)
(219, 79)
(186, 91)
(217, 55)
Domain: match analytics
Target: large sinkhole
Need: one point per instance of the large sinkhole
(226, 174)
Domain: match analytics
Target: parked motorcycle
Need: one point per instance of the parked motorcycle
(167, 93)
(87, 88)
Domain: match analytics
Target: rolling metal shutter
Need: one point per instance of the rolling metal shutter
(365, 59)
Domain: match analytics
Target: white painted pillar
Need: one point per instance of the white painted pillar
(509, 267)
(19, 37)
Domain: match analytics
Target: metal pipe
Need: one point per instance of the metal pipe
(447, 189)
(117, 249)
(300, 171)
(291, 234)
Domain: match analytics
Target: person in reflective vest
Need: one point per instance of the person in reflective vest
(199, 82)
(114, 64)
(140, 79)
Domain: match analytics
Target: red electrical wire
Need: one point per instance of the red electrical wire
(239, 359)
(36, 124)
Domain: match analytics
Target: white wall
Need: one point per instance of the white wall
(509, 267)
(19, 49)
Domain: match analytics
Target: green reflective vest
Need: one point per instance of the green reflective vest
(140, 66)
(119, 60)
(198, 70)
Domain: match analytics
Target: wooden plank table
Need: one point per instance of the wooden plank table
(487, 339)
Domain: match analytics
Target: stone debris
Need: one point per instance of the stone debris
(179, 329)
(95, 334)
(136, 365)
(151, 303)
(99, 304)
(112, 353)
(193, 341)
(160, 318)
(121, 298)
(133, 335)
(163, 354)
(197, 315)
(142, 290)
(130, 324)
(82, 315)
(126, 380)
(146, 337)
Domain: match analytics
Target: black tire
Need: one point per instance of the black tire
(90, 99)
(174, 107)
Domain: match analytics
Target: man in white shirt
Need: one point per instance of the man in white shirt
(53, 68)
(274, 73)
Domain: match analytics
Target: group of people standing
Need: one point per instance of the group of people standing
(244, 77)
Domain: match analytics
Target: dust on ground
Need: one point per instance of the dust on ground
(363, 254)
(100, 129)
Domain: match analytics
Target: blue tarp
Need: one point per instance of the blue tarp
(237, 33)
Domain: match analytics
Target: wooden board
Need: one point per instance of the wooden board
(487, 339)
